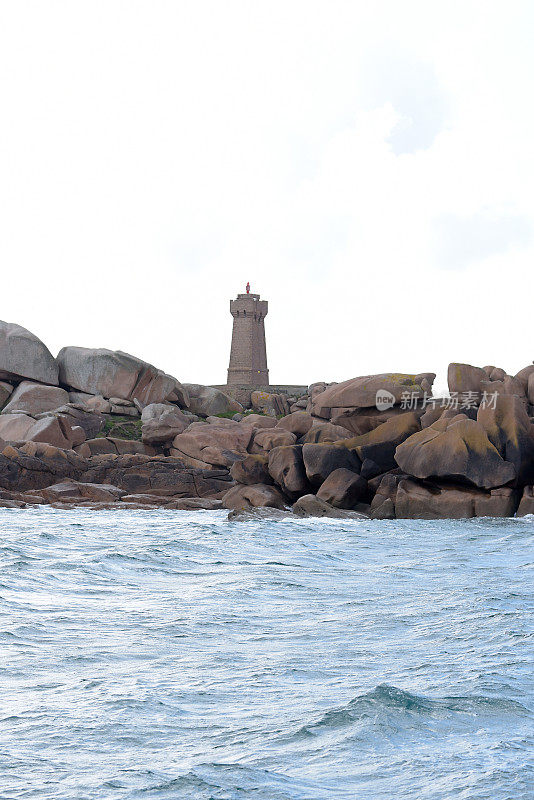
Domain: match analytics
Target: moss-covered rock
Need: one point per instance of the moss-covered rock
(119, 427)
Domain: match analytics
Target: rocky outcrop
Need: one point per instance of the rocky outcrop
(73, 491)
(128, 502)
(90, 402)
(72, 494)
(362, 404)
(23, 355)
(91, 422)
(36, 465)
(59, 430)
(55, 431)
(325, 432)
(207, 401)
(161, 423)
(14, 427)
(380, 444)
(254, 514)
(524, 374)
(383, 502)
(259, 421)
(256, 496)
(252, 469)
(6, 389)
(362, 392)
(298, 423)
(383, 510)
(203, 445)
(432, 413)
(344, 489)
(309, 505)
(419, 501)
(463, 379)
(268, 403)
(112, 373)
(358, 421)
(494, 373)
(320, 460)
(173, 503)
(511, 432)
(286, 468)
(376, 443)
(457, 449)
(526, 506)
(110, 445)
(35, 398)
(267, 439)
(158, 475)
(509, 387)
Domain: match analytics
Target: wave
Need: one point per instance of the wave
(386, 706)
(210, 780)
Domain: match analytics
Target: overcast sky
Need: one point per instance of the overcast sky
(367, 166)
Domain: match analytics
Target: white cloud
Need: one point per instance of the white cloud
(410, 85)
(155, 156)
(462, 240)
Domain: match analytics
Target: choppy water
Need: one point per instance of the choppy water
(176, 655)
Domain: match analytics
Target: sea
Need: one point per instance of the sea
(170, 654)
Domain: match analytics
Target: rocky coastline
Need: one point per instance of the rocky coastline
(103, 429)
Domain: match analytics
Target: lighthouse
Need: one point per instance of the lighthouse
(248, 354)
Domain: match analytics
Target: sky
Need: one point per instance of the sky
(368, 167)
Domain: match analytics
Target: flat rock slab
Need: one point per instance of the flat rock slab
(34, 398)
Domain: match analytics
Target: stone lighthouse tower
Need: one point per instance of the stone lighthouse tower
(248, 356)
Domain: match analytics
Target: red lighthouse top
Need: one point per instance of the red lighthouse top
(248, 287)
